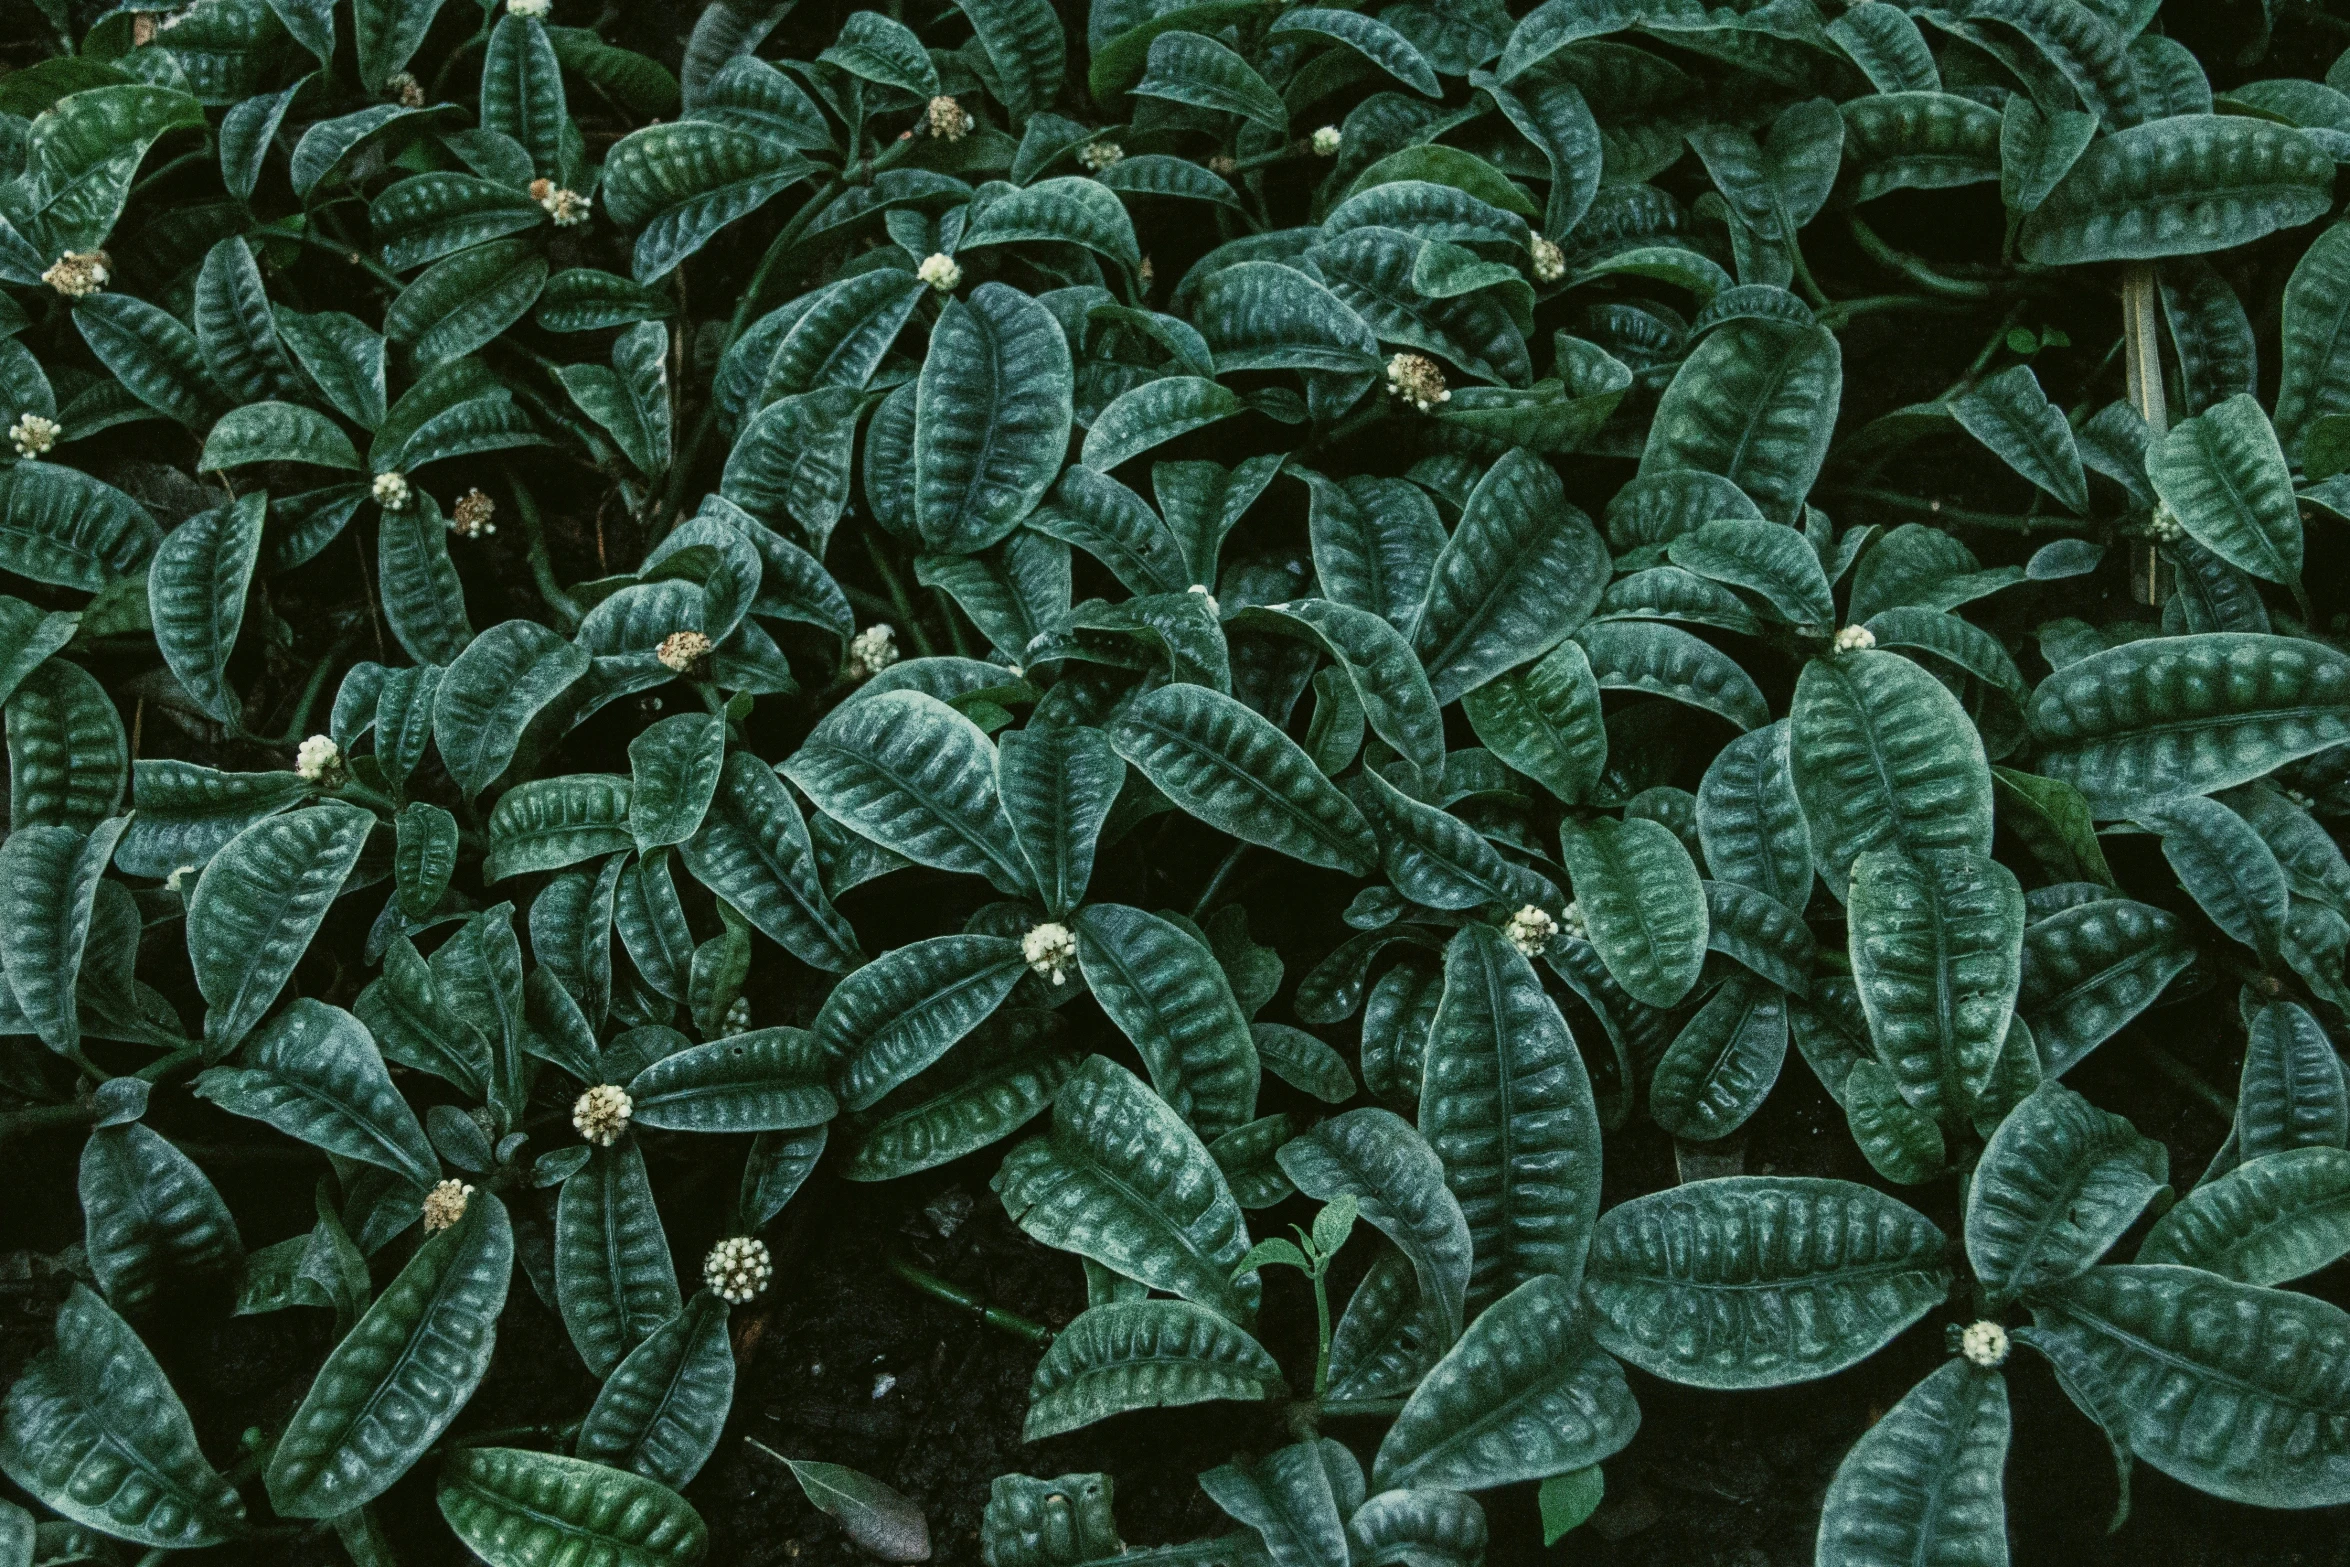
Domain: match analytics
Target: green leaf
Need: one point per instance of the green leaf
(1023, 41)
(682, 182)
(1723, 1062)
(1058, 786)
(501, 681)
(314, 1073)
(1524, 1394)
(2091, 968)
(549, 823)
(1923, 1484)
(1153, 413)
(1293, 1499)
(1522, 571)
(522, 90)
(1749, 821)
(873, 47)
(1374, 40)
(2223, 475)
(1166, 993)
(1223, 763)
(423, 603)
(1375, 1157)
(424, 218)
(1631, 655)
(1545, 722)
(96, 1433)
(1144, 1354)
(674, 767)
(991, 418)
(67, 757)
(1749, 404)
(1885, 758)
(901, 1012)
(151, 1221)
(2252, 1406)
(2228, 870)
(1121, 1179)
(396, 1381)
(2311, 382)
(524, 1509)
(2057, 1185)
(234, 328)
(1383, 275)
(1901, 1142)
(1643, 902)
(1192, 68)
(1375, 543)
(1436, 859)
(414, 1025)
(877, 1519)
(1069, 210)
(770, 1079)
(388, 33)
(1507, 1106)
(917, 777)
(81, 156)
(156, 358)
(1776, 563)
(1756, 1281)
(1937, 955)
(257, 905)
(1436, 164)
(425, 856)
(2270, 1220)
(982, 1093)
(613, 1277)
(276, 432)
(752, 849)
(196, 587)
(1049, 1523)
(465, 301)
(2292, 1092)
(62, 527)
(2011, 415)
(2179, 186)
(1261, 315)
(660, 1412)
(48, 884)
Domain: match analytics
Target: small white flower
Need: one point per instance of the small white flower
(681, 652)
(1984, 1343)
(177, 881)
(948, 120)
(444, 1205)
(33, 434)
(1214, 608)
(390, 491)
(1099, 155)
(1326, 141)
(567, 207)
(872, 650)
(1572, 923)
(538, 9)
(738, 1015)
(471, 518)
(1550, 262)
(1530, 930)
(1051, 950)
(941, 271)
(737, 1269)
(78, 273)
(317, 758)
(1855, 639)
(601, 1114)
(1223, 163)
(407, 89)
(883, 1382)
(2166, 527)
(1418, 380)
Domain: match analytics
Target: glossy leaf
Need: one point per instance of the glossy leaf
(2058, 1183)
(613, 1277)
(1923, 1484)
(516, 1508)
(1885, 758)
(1145, 1354)
(1641, 898)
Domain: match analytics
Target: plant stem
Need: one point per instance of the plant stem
(542, 564)
(1915, 268)
(2142, 370)
(351, 253)
(1955, 516)
(1844, 310)
(954, 1295)
(2191, 1080)
(1223, 874)
(898, 595)
(1322, 1320)
(506, 1436)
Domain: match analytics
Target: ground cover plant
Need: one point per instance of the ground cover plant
(1194, 697)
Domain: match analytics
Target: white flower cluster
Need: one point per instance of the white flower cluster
(444, 1205)
(406, 89)
(78, 273)
(872, 650)
(471, 518)
(1572, 923)
(1326, 142)
(2166, 527)
(390, 491)
(601, 1114)
(738, 1015)
(941, 271)
(1418, 380)
(1530, 930)
(737, 1269)
(567, 207)
(948, 120)
(1099, 155)
(537, 9)
(1983, 1343)
(33, 434)
(1550, 262)
(317, 758)
(681, 652)
(1855, 639)
(1051, 950)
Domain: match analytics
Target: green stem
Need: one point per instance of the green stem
(1844, 310)
(1914, 268)
(1375, 1407)
(542, 564)
(311, 689)
(954, 1295)
(1223, 874)
(507, 1436)
(1322, 1320)
(201, 154)
(34, 1118)
(898, 595)
(350, 253)
(1956, 516)
(2191, 1080)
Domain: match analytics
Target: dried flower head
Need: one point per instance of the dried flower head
(947, 119)
(1051, 950)
(318, 758)
(1223, 163)
(33, 434)
(471, 517)
(1418, 380)
(444, 1205)
(872, 650)
(682, 652)
(79, 273)
(1855, 639)
(737, 1269)
(390, 491)
(1572, 923)
(1101, 154)
(567, 207)
(1326, 142)
(1146, 274)
(1530, 930)
(406, 89)
(1983, 1343)
(1550, 262)
(601, 1114)
(940, 271)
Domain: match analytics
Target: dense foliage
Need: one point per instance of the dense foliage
(1237, 612)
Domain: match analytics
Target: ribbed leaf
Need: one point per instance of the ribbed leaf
(1885, 758)
(489, 695)
(1725, 1059)
(1748, 404)
(1167, 994)
(1522, 571)
(1937, 955)
(683, 182)
(769, 1079)
(150, 1218)
(48, 884)
(1291, 1498)
(526, 1509)
(905, 1009)
(1749, 821)
(2180, 186)
(2091, 968)
(1642, 900)
(2270, 1220)
(1922, 1486)
(2292, 1093)
(613, 1277)
(2058, 1183)
(314, 1073)
(1375, 1157)
(1058, 786)
(661, 1410)
(991, 418)
(1144, 1354)
(1545, 722)
(257, 905)
(753, 850)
